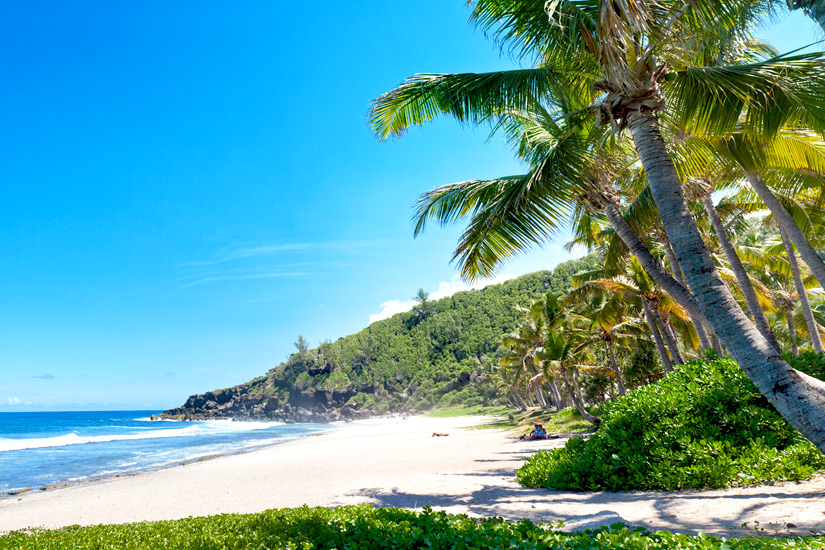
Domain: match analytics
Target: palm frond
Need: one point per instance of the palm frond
(770, 95)
(470, 98)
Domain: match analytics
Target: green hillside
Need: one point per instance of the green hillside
(435, 355)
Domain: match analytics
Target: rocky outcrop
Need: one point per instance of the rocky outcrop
(253, 402)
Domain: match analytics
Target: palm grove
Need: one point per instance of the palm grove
(632, 115)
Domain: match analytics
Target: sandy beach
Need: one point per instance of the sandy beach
(397, 462)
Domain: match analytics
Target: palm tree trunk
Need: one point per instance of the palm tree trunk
(575, 395)
(785, 221)
(677, 291)
(670, 339)
(798, 399)
(717, 346)
(657, 336)
(615, 366)
(815, 9)
(538, 395)
(792, 329)
(742, 277)
(698, 325)
(558, 400)
(805, 304)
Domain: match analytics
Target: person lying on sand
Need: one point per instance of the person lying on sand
(436, 434)
(537, 433)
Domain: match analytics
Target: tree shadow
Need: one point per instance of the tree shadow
(722, 515)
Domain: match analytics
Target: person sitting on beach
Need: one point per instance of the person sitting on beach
(537, 433)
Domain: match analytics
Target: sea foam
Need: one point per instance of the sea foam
(202, 428)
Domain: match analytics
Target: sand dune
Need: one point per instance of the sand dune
(395, 462)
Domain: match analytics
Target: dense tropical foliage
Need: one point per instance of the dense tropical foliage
(703, 426)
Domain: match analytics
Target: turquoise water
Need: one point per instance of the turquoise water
(51, 448)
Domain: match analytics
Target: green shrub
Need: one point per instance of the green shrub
(705, 425)
(363, 527)
(809, 362)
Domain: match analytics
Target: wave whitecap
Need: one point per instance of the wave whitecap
(202, 428)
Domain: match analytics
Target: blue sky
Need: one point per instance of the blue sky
(189, 187)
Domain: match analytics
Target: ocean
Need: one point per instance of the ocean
(44, 449)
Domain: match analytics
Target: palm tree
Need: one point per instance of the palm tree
(609, 315)
(624, 50)
(563, 353)
(635, 286)
(510, 212)
(813, 329)
(795, 150)
(742, 277)
(522, 346)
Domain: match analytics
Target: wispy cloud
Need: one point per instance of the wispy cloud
(271, 261)
(246, 251)
(445, 289)
(45, 376)
(251, 252)
(12, 401)
(246, 277)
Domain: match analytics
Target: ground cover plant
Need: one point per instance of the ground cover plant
(366, 527)
(705, 425)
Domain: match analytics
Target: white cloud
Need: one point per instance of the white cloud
(390, 308)
(457, 285)
(13, 401)
(445, 289)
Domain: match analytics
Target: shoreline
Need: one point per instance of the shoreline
(396, 462)
(150, 469)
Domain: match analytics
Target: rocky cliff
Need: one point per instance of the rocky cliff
(265, 399)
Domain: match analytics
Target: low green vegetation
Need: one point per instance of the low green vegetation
(566, 421)
(705, 425)
(452, 412)
(361, 526)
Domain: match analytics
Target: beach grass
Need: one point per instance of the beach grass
(363, 526)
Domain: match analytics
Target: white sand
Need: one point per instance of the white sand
(394, 462)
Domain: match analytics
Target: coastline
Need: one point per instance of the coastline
(150, 469)
(396, 462)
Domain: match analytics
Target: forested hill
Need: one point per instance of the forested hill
(438, 354)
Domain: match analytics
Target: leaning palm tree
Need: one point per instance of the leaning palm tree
(703, 191)
(640, 56)
(564, 184)
(792, 150)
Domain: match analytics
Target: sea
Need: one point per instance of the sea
(39, 450)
